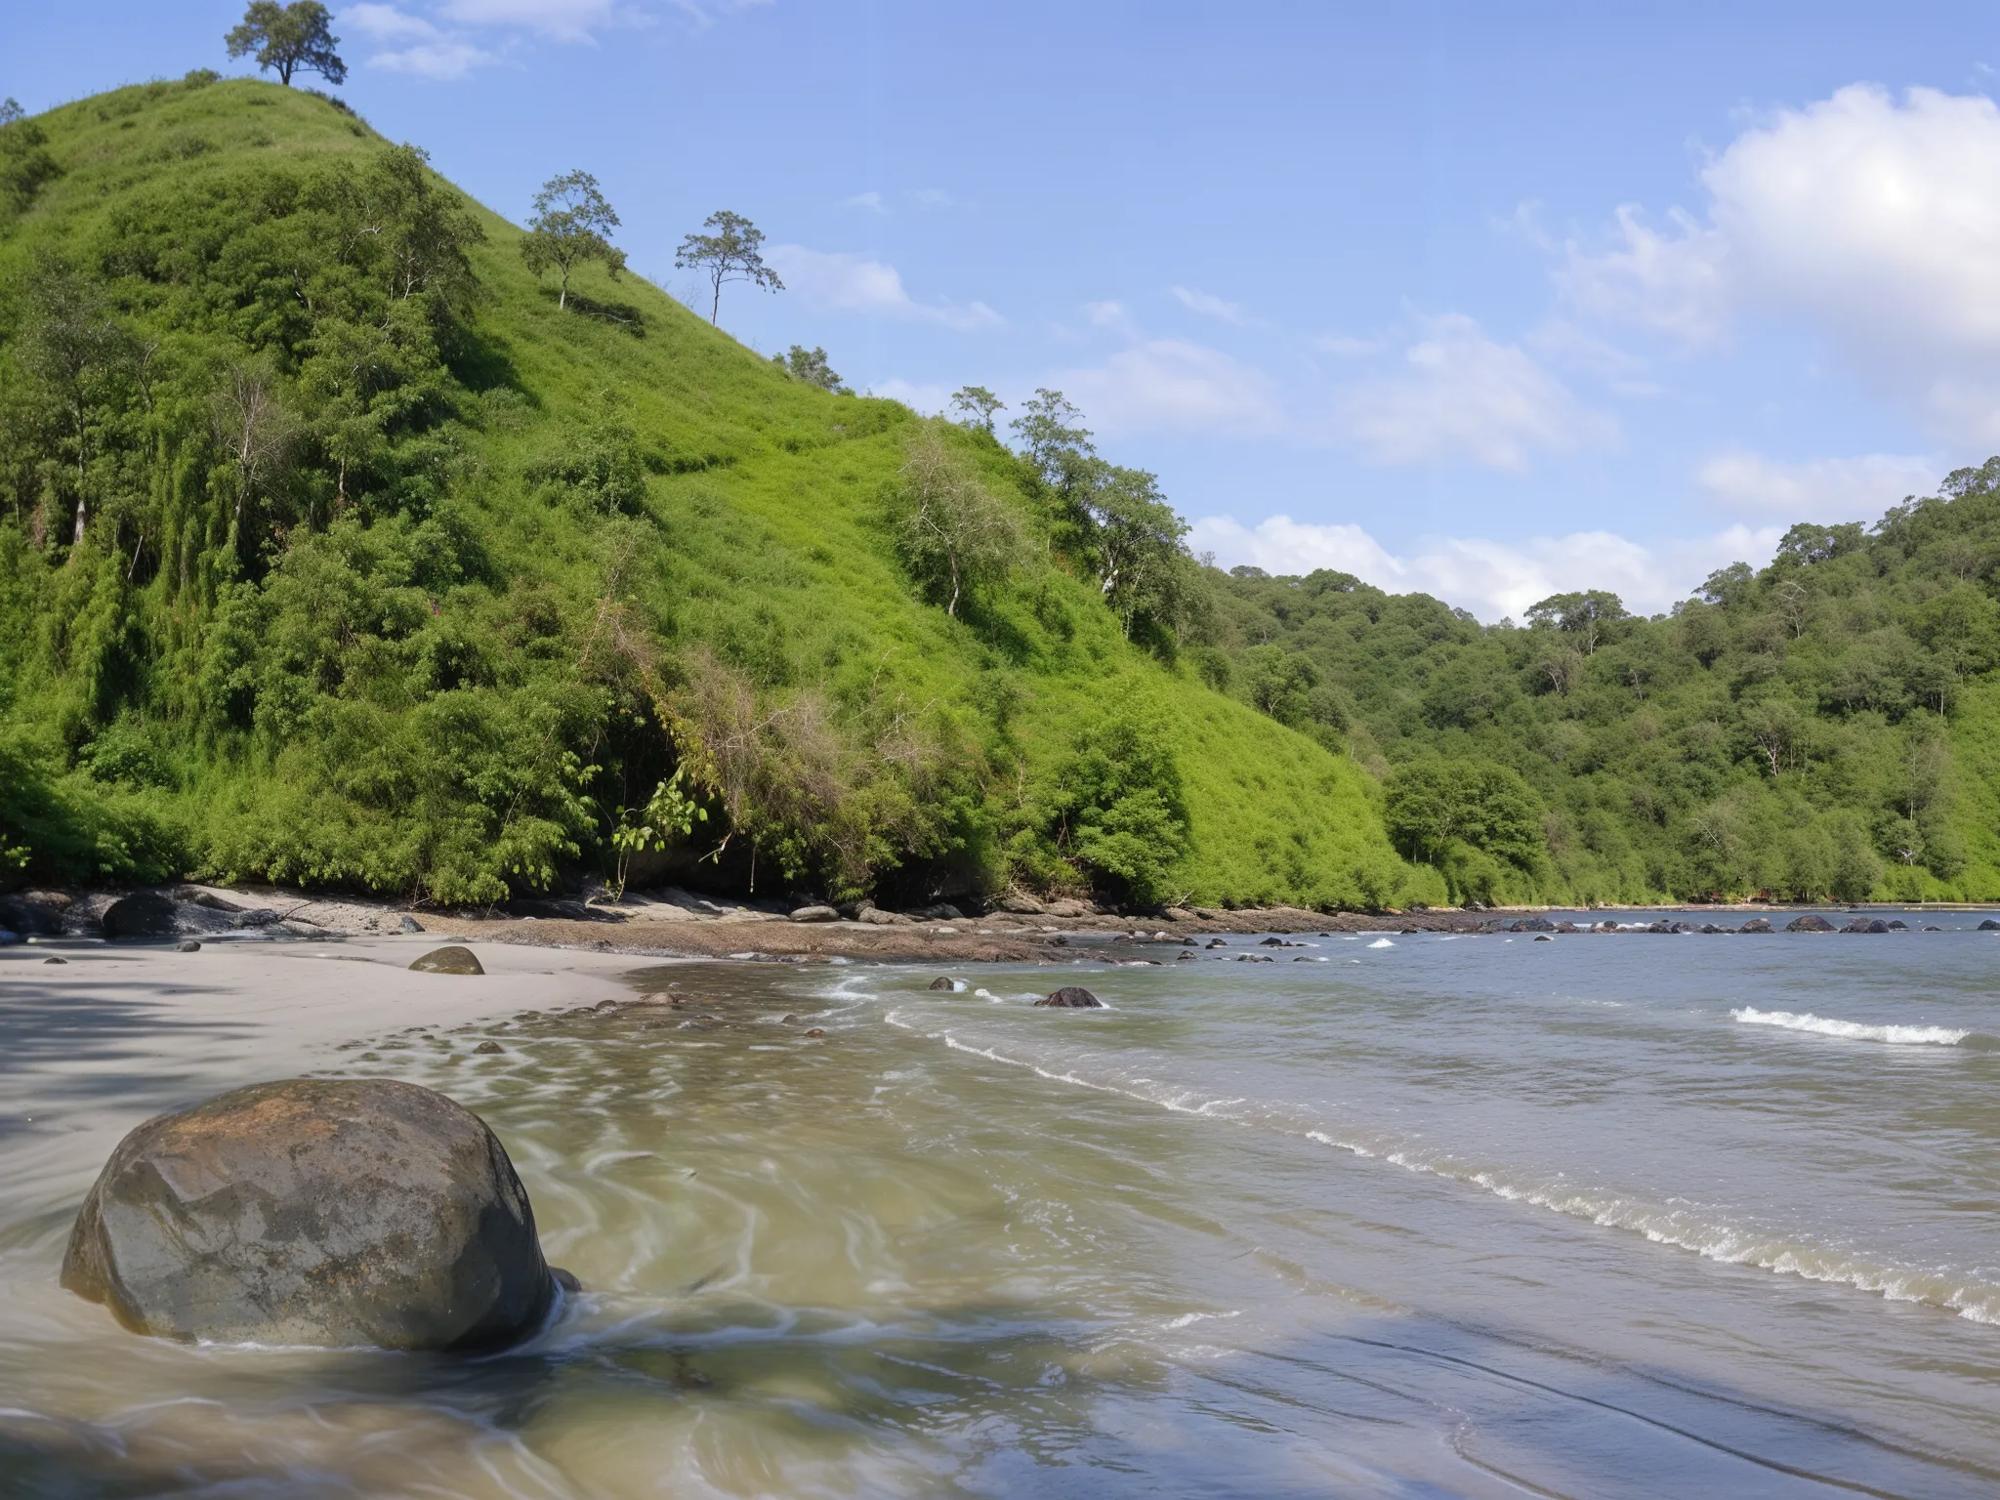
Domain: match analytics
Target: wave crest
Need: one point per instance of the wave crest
(1854, 1031)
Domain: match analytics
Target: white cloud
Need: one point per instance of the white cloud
(860, 284)
(1493, 579)
(1823, 489)
(1671, 281)
(933, 198)
(1173, 385)
(1460, 397)
(1869, 220)
(1111, 315)
(444, 59)
(1210, 306)
(1562, 342)
(385, 23)
(561, 20)
(870, 200)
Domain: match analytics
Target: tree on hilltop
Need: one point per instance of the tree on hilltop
(288, 39)
(733, 251)
(974, 406)
(572, 224)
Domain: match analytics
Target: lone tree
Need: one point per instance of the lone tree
(974, 406)
(810, 365)
(295, 38)
(572, 224)
(732, 252)
(955, 535)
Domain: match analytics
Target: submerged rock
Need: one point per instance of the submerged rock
(330, 1212)
(450, 959)
(941, 983)
(1809, 923)
(488, 1048)
(1072, 997)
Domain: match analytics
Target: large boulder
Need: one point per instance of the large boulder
(1989, 925)
(34, 913)
(330, 1212)
(815, 914)
(450, 959)
(1074, 997)
(1756, 924)
(144, 914)
(1809, 923)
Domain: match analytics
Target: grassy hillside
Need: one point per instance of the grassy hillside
(405, 579)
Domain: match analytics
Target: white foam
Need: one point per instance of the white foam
(1381, 943)
(1854, 1031)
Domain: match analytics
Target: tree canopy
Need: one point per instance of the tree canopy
(288, 39)
(571, 225)
(732, 250)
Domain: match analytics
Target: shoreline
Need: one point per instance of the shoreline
(674, 924)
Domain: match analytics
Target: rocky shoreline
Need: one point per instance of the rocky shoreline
(680, 924)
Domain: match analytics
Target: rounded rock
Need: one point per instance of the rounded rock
(326, 1212)
(1072, 997)
(451, 959)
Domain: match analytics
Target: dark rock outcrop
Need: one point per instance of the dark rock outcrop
(1756, 924)
(33, 913)
(1989, 925)
(143, 914)
(450, 959)
(1809, 923)
(328, 1212)
(1072, 997)
(1867, 924)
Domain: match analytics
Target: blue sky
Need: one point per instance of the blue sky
(1481, 300)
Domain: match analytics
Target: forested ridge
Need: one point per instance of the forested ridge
(1827, 727)
(351, 537)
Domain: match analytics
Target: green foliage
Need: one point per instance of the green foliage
(670, 814)
(288, 39)
(957, 537)
(1478, 823)
(331, 552)
(1814, 730)
(732, 250)
(1111, 815)
(571, 226)
(811, 366)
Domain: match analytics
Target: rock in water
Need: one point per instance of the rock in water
(1989, 925)
(1073, 997)
(451, 959)
(1756, 924)
(942, 983)
(1809, 923)
(329, 1212)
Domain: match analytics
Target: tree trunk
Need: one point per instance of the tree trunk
(715, 306)
(562, 296)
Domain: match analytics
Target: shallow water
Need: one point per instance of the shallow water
(1417, 1215)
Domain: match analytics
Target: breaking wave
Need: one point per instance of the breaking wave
(1854, 1031)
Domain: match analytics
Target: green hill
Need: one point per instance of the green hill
(1827, 727)
(332, 551)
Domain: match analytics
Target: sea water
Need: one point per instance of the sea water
(1608, 1215)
